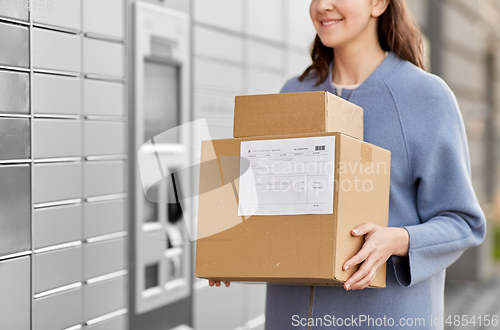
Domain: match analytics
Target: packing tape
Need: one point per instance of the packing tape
(366, 153)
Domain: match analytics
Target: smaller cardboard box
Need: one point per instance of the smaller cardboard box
(296, 113)
(299, 249)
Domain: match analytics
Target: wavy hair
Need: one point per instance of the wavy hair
(397, 32)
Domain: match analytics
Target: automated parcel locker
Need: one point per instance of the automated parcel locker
(161, 279)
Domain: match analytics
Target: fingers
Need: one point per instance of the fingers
(367, 280)
(363, 271)
(358, 258)
(217, 283)
(365, 275)
(363, 229)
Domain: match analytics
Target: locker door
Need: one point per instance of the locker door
(103, 58)
(58, 311)
(15, 300)
(103, 17)
(61, 13)
(15, 9)
(57, 94)
(56, 51)
(57, 182)
(15, 209)
(15, 138)
(15, 38)
(15, 89)
(57, 225)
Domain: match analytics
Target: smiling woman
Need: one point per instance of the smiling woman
(392, 30)
(434, 214)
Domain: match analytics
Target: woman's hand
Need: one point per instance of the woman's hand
(380, 244)
(217, 283)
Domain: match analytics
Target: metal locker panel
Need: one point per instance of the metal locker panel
(214, 12)
(103, 17)
(57, 138)
(223, 46)
(213, 106)
(262, 55)
(297, 63)
(116, 323)
(103, 58)
(57, 94)
(63, 13)
(217, 76)
(56, 50)
(211, 305)
(15, 39)
(15, 208)
(57, 225)
(101, 218)
(57, 181)
(104, 297)
(263, 82)
(102, 258)
(15, 9)
(15, 87)
(267, 23)
(299, 27)
(58, 311)
(103, 178)
(104, 138)
(15, 300)
(57, 268)
(102, 98)
(15, 138)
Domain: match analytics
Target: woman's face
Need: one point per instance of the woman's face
(339, 22)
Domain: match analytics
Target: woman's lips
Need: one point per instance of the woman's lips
(330, 22)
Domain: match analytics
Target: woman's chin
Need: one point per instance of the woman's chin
(332, 42)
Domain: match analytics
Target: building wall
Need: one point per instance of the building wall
(62, 165)
(468, 54)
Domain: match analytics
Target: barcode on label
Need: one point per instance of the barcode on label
(319, 148)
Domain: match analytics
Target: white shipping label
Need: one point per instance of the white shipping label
(287, 176)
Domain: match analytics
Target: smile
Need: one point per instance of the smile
(331, 22)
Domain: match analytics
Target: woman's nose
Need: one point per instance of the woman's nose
(324, 5)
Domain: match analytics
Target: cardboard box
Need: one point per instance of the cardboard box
(288, 249)
(296, 113)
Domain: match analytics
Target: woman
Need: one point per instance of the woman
(370, 53)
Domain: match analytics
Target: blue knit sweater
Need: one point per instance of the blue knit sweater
(415, 115)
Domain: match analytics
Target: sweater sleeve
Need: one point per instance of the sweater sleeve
(451, 219)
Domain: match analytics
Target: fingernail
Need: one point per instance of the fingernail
(346, 267)
(355, 231)
(348, 287)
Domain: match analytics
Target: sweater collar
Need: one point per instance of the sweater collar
(390, 62)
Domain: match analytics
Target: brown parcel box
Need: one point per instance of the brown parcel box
(296, 113)
(288, 249)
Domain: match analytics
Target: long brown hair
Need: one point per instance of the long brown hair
(397, 32)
